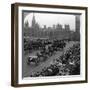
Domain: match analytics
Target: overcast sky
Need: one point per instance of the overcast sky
(50, 19)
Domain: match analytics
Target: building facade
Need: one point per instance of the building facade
(55, 32)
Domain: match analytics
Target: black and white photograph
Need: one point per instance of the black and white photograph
(50, 44)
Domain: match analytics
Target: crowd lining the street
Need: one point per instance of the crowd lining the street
(66, 64)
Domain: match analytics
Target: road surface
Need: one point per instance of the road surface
(29, 69)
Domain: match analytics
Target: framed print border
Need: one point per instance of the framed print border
(15, 43)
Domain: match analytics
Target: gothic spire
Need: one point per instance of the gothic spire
(33, 20)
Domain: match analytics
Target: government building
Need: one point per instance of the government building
(55, 32)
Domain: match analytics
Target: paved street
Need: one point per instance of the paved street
(29, 69)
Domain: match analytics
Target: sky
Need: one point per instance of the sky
(51, 19)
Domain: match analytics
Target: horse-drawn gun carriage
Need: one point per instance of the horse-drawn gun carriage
(34, 60)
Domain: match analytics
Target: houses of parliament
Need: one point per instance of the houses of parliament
(54, 32)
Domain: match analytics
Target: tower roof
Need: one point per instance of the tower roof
(33, 20)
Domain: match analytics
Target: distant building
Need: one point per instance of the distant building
(54, 32)
(67, 27)
(77, 18)
(26, 24)
(58, 27)
(44, 28)
(54, 27)
(76, 34)
(35, 25)
(33, 21)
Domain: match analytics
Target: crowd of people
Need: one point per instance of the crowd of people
(46, 49)
(39, 44)
(71, 59)
(66, 64)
